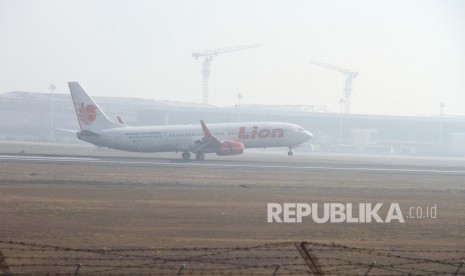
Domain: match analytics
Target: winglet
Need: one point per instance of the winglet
(206, 132)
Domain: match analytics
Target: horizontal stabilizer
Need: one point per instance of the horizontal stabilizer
(67, 130)
(88, 133)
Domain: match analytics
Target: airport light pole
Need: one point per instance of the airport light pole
(238, 106)
(52, 87)
(341, 102)
(441, 107)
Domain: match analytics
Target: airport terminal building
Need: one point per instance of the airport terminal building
(27, 116)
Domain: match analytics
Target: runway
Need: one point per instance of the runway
(276, 164)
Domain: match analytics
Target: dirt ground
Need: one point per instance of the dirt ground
(102, 205)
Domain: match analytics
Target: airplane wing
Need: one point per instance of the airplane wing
(210, 143)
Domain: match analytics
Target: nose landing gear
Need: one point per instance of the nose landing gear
(290, 152)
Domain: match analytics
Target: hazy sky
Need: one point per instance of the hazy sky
(410, 55)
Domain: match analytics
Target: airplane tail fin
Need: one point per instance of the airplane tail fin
(90, 115)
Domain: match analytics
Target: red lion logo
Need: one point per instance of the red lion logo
(87, 113)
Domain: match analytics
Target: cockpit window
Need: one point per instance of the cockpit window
(300, 129)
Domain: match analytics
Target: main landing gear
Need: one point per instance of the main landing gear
(186, 155)
(290, 152)
(199, 156)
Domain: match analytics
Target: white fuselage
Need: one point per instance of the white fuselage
(184, 137)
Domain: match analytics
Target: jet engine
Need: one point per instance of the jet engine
(230, 148)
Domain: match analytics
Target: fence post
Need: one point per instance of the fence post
(78, 266)
(276, 270)
(458, 268)
(310, 259)
(4, 268)
(370, 267)
(181, 269)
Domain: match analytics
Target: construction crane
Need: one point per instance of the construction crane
(208, 56)
(350, 75)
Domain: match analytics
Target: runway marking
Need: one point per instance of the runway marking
(203, 164)
(31, 157)
(285, 167)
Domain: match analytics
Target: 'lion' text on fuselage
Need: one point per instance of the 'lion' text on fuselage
(262, 133)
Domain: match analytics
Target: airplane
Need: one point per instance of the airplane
(223, 139)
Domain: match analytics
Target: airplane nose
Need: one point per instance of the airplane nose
(309, 135)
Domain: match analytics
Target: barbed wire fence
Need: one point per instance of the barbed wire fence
(285, 258)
